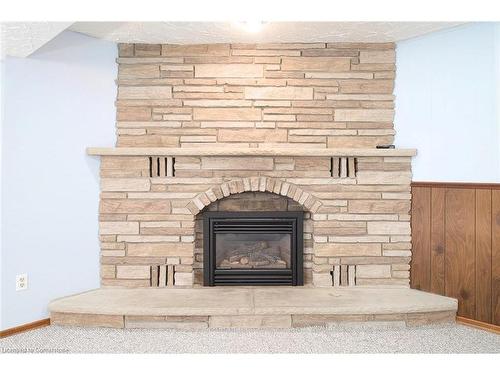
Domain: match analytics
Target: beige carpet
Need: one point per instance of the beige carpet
(336, 339)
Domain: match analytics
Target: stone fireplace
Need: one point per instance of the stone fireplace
(254, 164)
(217, 129)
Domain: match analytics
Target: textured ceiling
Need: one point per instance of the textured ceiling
(23, 38)
(227, 32)
(20, 39)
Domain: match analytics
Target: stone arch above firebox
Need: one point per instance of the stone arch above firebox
(254, 184)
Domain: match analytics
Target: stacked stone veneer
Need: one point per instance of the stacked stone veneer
(264, 95)
(357, 228)
(294, 96)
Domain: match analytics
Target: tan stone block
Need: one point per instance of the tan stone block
(112, 253)
(166, 231)
(118, 227)
(177, 67)
(126, 283)
(156, 217)
(360, 97)
(312, 320)
(142, 49)
(252, 135)
(383, 177)
(322, 132)
(362, 217)
(108, 271)
(325, 64)
(125, 184)
(397, 196)
(237, 163)
(368, 115)
(296, 93)
(217, 103)
(138, 206)
(358, 239)
(432, 317)
(133, 272)
(396, 253)
(86, 320)
(229, 70)
(161, 195)
(165, 324)
(379, 86)
(202, 50)
(187, 260)
(388, 227)
(125, 49)
(373, 271)
(322, 279)
(267, 117)
(347, 249)
(227, 114)
(107, 238)
(348, 75)
(379, 206)
(358, 141)
(124, 162)
(184, 268)
(183, 279)
(400, 267)
(250, 321)
(160, 249)
(377, 57)
(401, 274)
(133, 113)
(144, 92)
(198, 88)
(149, 239)
(138, 71)
(267, 52)
(227, 124)
(271, 103)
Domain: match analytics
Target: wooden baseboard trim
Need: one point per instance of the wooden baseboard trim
(477, 324)
(25, 327)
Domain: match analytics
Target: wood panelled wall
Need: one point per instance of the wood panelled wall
(456, 245)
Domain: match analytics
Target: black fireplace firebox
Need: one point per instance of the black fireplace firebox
(253, 248)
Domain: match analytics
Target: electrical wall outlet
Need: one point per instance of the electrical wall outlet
(22, 282)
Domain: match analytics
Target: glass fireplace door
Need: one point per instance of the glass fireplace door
(252, 248)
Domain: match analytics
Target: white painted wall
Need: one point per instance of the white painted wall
(447, 103)
(57, 102)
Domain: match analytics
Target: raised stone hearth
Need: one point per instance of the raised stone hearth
(250, 307)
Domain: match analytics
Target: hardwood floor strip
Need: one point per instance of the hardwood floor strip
(477, 324)
(25, 327)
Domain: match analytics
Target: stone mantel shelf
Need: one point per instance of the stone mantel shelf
(158, 151)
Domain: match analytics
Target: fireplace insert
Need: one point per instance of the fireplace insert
(253, 248)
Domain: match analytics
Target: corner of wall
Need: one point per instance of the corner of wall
(497, 89)
(2, 73)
